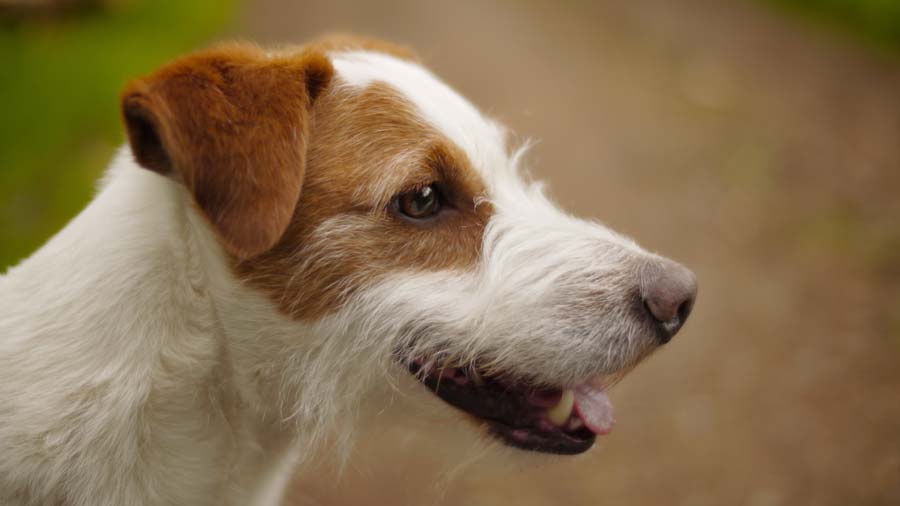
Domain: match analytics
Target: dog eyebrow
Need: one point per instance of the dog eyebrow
(400, 172)
(436, 160)
(456, 171)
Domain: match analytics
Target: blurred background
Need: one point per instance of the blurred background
(756, 141)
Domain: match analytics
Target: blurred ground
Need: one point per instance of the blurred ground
(761, 151)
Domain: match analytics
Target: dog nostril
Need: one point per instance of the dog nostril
(668, 291)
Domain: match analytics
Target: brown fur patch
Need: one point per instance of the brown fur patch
(366, 147)
(298, 177)
(233, 124)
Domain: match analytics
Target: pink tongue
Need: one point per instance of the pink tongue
(593, 406)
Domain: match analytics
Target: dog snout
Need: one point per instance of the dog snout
(668, 292)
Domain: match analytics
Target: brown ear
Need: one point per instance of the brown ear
(232, 124)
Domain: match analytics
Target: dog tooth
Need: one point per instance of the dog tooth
(574, 424)
(560, 413)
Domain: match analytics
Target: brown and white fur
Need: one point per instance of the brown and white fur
(240, 283)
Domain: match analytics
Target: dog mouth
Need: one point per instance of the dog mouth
(564, 421)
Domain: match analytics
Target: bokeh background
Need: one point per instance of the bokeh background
(756, 141)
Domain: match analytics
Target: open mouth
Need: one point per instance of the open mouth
(563, 421)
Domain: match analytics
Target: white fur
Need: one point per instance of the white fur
(135, 369)
(117, 383)
(549, 286)
(453, 115)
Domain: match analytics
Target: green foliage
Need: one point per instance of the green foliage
(59, 87)
(875, 20)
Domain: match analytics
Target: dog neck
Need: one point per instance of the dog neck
(118, 367)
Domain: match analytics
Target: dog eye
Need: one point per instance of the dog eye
(420, 203)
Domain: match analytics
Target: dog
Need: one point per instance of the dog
(288, 235)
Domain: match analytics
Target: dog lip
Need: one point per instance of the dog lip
(515, 415)
(555, 441)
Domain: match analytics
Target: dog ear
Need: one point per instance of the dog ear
(232, 124)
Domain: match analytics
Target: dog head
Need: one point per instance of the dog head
(387, 222)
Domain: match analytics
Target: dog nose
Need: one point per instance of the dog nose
(668, 290)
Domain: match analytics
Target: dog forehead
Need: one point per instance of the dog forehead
(440, 106)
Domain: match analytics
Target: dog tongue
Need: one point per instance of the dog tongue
(594, 408)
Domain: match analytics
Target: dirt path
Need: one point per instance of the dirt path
(761, 152)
